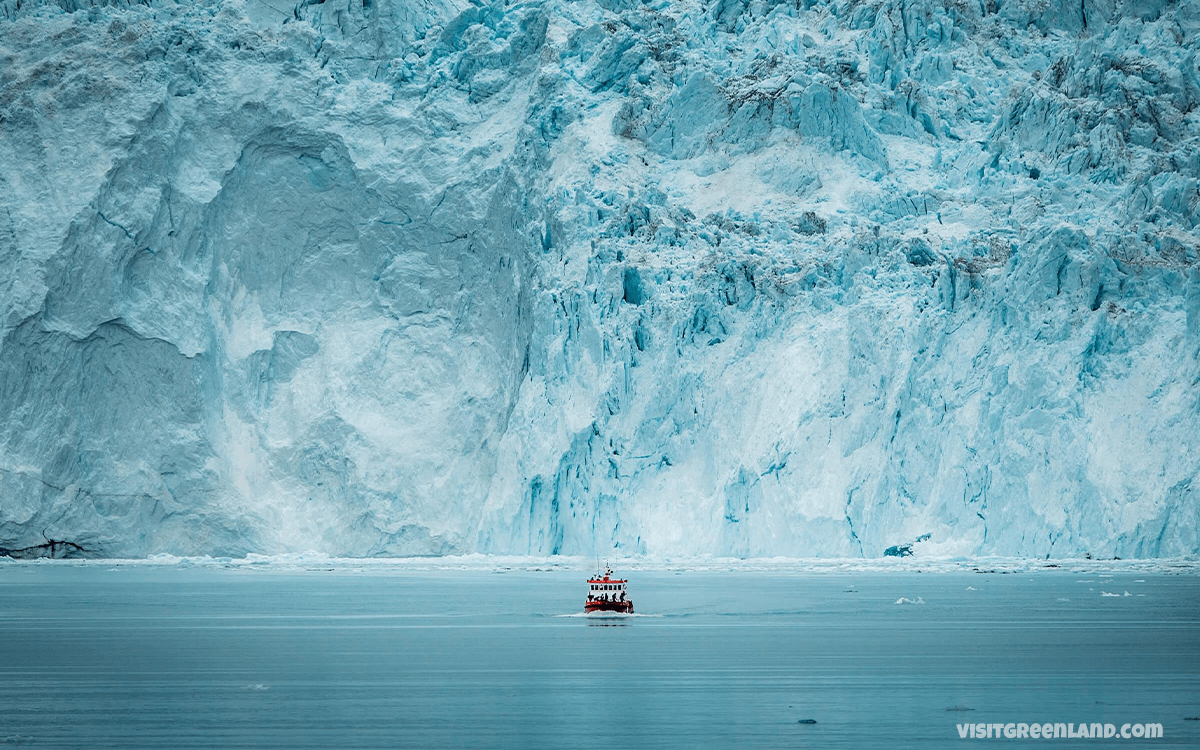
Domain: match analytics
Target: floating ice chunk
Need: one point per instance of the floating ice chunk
(971, 588)
(1105, 593)
(905, 600)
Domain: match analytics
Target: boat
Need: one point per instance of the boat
(608, 594)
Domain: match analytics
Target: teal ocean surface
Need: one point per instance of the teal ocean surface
(176, 657)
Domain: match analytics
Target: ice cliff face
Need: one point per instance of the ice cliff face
(383, 277)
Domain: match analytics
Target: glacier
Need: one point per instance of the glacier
(738, 278)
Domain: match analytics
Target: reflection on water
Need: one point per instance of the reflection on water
(159, 658)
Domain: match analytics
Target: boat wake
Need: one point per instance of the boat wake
(608, 615)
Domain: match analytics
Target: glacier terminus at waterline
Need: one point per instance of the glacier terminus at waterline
(736, 278)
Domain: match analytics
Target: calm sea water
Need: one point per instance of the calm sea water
(160, 657)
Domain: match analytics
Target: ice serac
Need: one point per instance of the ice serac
(670, 278)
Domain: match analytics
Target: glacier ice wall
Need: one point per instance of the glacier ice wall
(735, 277)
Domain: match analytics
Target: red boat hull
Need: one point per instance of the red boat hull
(625, 607)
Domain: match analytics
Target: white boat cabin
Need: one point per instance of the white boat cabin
(607, 589)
